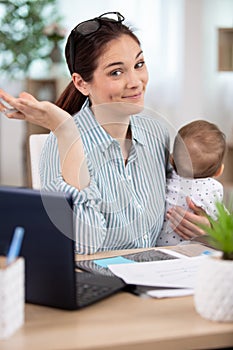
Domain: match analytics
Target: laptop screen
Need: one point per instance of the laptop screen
(48, 246)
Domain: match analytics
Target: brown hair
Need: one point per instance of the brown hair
(88, 49)
(199, 149)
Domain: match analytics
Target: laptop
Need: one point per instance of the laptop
(51, 278)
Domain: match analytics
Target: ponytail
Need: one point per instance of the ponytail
(71, 99)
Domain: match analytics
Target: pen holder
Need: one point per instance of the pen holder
(12, 296)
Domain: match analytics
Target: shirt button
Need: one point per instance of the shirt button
(92, 202)
(129, 178)
(145, 236)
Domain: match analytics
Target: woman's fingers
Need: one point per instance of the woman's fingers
(28, 96)
(7, 101)
(26, 103)
(41, 113)
(11, 100)
(182, 234)
(9, 106)
(9, 110)
(186, 223)
(179, 223)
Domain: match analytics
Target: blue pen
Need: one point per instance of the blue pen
(15, 244)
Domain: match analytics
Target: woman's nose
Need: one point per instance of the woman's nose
(133, 80)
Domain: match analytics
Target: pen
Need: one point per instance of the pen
(15, 244)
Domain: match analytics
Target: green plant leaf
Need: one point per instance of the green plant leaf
(221, 231)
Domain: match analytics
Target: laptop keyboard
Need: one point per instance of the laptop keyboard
(144, 256)
(101, 282)
(149, 255)
(91, 288)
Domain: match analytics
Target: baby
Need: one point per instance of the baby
(197, 159)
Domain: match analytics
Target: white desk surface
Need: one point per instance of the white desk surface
(122, 321)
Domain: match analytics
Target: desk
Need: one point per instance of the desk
(124, 322)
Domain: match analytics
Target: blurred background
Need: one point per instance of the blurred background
(188, 48)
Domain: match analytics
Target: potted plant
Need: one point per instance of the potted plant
(213, 294)
(24, 36)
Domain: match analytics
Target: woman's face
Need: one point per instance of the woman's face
(121, 75)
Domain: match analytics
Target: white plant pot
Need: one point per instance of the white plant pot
(213, 293)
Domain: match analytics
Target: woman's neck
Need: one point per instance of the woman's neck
(118, 131)
(113, 120)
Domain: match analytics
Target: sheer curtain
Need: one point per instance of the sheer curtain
(164, 53)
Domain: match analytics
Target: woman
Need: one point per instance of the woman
(111, 158)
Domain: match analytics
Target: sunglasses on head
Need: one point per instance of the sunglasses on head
(91, 26)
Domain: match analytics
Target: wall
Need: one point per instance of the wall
(179, 39)
(217, 86)
(12, 138)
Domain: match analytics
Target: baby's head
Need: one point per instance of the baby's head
(198, 150)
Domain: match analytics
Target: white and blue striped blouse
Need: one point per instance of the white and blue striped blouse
(123, 207)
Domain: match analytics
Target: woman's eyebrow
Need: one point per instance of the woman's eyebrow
(114, 64)
(141, 52)
(121, 63)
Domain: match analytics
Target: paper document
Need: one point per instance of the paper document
(169, 293)
(179, 273)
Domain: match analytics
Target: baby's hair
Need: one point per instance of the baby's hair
(198, 150)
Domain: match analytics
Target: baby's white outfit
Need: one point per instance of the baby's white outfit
(204, 192)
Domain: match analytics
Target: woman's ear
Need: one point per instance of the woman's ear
(80, 84)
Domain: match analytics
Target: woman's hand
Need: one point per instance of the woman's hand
(42, 113)
(185, 223)
(72, 158)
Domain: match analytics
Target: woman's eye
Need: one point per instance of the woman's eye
(140, 64)
(115, 73)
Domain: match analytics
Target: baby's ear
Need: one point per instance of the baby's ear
(219, 171)
(172, 160)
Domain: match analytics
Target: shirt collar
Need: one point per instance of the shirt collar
(137, 130)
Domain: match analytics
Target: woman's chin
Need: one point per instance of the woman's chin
(129, 108)
(116, 110)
